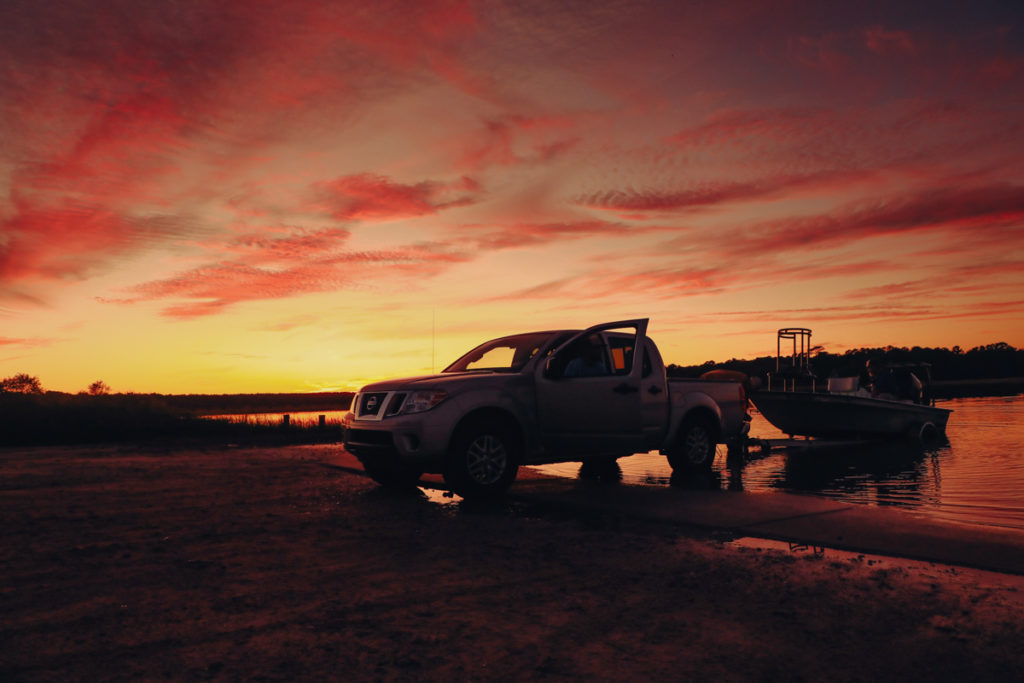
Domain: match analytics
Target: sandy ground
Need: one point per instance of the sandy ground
(266, 564)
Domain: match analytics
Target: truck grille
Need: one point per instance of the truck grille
(371, 405)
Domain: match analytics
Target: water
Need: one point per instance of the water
(302, 418)
(976, 478)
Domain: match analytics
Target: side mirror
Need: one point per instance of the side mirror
(551, 368)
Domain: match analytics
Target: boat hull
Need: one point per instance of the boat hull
(805, 413)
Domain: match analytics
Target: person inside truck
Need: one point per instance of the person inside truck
(588, 359)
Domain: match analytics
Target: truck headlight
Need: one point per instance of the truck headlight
(419, 401)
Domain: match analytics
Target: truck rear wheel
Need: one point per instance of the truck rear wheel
(484, 459)
(695, 446)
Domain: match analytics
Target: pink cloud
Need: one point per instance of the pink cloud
(298, 245)
(72, 239)
(533, 234)
(973, 279)
(703, 195)
(112, 102)
(24, 344)
(978, 209)
(729, 125)
(884, 312)
(652, 283)
(215, 287)
(517, 139)
(717, 193)
(961, 215)
(373, 197)
(834, 150)
(705, 274)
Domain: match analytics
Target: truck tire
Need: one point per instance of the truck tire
(695, 446)
(391, 475)
(484, 459)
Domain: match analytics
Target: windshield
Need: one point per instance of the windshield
(508, 354)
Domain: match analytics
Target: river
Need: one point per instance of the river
(975, 478)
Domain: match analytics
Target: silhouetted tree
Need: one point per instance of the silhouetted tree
(21, 384)
(99, 388)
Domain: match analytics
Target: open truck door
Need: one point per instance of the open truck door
(588, 391)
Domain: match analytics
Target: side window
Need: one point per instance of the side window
(622, 354)
(606, 351)
(586, 357)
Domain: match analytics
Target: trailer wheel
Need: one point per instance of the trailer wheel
(484, 459)
(925, 434)
(695, 446)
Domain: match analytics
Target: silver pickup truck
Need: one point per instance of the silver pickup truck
(541, 397)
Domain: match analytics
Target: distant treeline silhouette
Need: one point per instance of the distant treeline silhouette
(52, 417)
(209, 404)
(999, 361)
(189, 404)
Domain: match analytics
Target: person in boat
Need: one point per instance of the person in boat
(909, 387)
(881, 381)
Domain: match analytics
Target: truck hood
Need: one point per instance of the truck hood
(430, 381)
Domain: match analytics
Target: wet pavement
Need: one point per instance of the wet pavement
(785, 517)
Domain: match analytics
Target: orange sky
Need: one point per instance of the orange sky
(257, 196)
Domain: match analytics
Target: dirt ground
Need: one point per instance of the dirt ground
(267, 564)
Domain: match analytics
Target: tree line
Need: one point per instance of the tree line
(197, 404)
(23, 383)
(992, 361)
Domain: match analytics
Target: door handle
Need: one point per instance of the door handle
(655, 389)
(625, 389)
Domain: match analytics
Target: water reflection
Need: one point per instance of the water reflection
(977, 476)
(308, 417)
(605, 469)
(886, 474)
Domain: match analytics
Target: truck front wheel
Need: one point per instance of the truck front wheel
(695, 446)
(484, 459)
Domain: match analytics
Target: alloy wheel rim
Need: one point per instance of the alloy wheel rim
(697, 446)
(486, 459)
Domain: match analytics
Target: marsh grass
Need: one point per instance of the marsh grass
(62, 419)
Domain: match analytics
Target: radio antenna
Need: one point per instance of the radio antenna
(433, 337)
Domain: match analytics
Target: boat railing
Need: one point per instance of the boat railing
(786, 382)
(796, 371)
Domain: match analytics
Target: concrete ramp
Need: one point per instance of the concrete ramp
(797, 519)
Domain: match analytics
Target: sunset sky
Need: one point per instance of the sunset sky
(239, 196)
